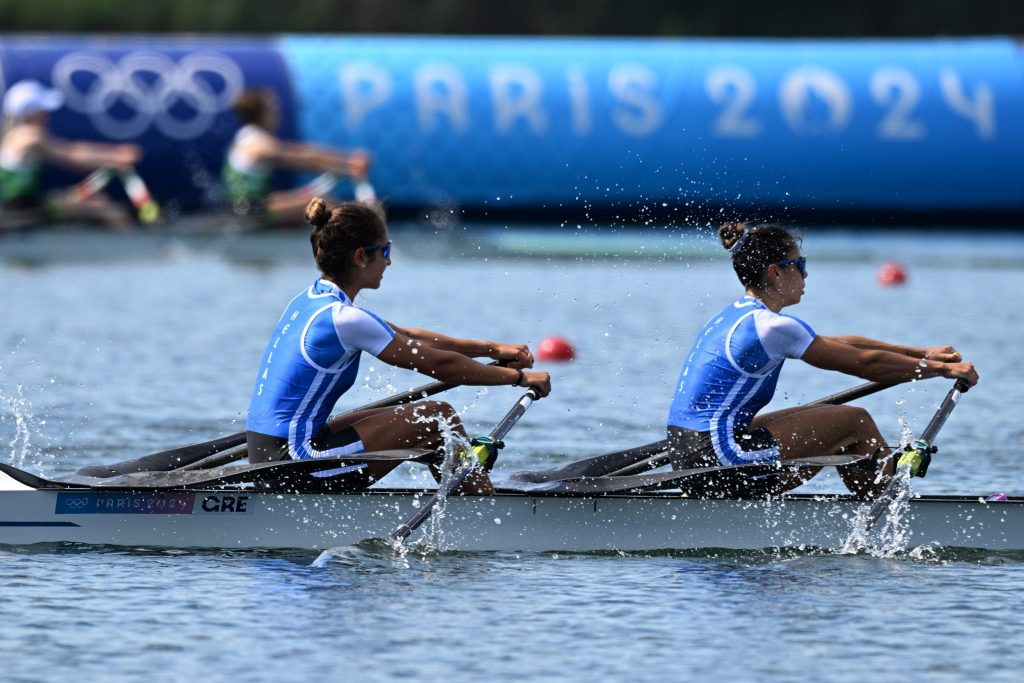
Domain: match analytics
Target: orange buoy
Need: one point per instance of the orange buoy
(555, 349)
(891, 274)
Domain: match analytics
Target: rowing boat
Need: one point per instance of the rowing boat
(249, 513)
(194, 497)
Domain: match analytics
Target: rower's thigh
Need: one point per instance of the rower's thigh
(339, 422)
(817, 430)
(417, 425)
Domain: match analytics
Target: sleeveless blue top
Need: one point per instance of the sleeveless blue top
(311, 360)
(733, 367)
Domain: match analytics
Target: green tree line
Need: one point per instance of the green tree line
(522, 17)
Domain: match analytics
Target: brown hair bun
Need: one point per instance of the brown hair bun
(316, 212)
(729, 233)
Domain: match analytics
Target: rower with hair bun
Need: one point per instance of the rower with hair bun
(256, 152)
(731, 372)
(312, 359)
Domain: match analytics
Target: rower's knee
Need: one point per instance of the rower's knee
(857, 417)
(431, 420)
(438, 410)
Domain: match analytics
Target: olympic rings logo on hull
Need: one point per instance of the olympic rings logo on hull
(123, 98)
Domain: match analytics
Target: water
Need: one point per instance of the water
(117, 346)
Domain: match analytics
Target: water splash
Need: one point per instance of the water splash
(432, 539)
(19, 411)
(889, 538)
(373, 553)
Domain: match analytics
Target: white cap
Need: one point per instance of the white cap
(25, 98)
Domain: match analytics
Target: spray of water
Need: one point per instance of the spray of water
(455, 445)
(889, 536)
(18, 410)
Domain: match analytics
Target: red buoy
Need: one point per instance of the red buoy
(555, 349)
(891, 274)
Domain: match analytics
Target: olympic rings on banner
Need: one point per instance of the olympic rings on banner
(181, 99)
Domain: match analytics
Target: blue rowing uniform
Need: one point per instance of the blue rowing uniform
(731, 374)
(311, 360)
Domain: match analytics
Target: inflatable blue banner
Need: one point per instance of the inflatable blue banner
(574, 124)
(172, 96)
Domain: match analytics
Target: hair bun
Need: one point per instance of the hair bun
(316, 212)
(729, 233)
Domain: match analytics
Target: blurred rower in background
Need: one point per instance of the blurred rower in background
(256, 152)
(26, 146)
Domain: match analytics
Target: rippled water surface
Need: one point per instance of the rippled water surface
(115, 346)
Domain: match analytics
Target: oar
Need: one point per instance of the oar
(693, 481)
(916, 457)
(227, 449)
(852, 394)
(468, 466)
(92, 183)
(654, 455)
(325, 182)
(320, 186)
(138, 193)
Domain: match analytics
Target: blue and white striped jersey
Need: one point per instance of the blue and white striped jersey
(733, 367)
(311, 360)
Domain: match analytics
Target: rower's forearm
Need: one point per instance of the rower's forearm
(890, 367)
(473, 348)
(875, 345)
(457, 368)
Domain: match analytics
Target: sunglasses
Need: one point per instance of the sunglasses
(800, 263)
(385, 249)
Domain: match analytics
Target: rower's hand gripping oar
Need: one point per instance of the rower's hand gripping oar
(484, 452)
(915, 458)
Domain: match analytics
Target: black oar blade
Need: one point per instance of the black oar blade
(165, 460)
(315, 475)
(595, 466)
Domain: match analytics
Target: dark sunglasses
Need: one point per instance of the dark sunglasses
(385, 249)
(800, 263)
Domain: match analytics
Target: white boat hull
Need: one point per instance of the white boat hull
(240, 519)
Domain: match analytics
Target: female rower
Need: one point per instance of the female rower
(27, 145)
(731, 372)
(312, 358)
(256, 152)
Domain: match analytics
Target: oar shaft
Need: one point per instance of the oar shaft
(419, 392)
(509, 421)
(852, 394)
(902, 475)
(944, 411)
